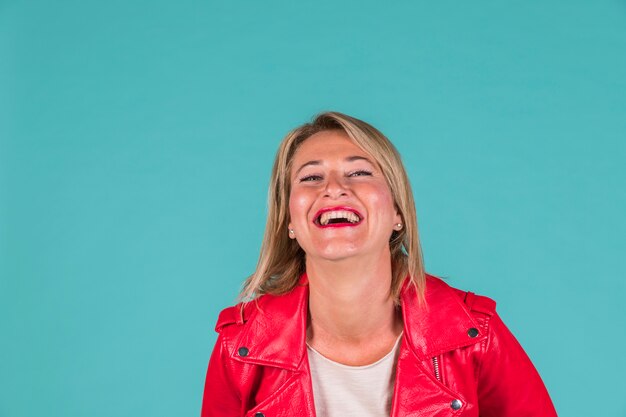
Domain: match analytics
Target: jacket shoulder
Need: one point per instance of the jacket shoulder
(236, 316)
(476, 303)
(228, 316)
(480, 303)
(471, 301)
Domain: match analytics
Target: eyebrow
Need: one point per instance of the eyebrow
(318, 162)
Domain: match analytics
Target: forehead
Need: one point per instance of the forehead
(328, 144)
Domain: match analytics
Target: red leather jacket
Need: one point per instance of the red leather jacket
(456, 358)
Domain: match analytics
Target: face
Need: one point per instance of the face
(340, 205)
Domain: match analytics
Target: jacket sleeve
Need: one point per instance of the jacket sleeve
(220, 398)
(508, 383)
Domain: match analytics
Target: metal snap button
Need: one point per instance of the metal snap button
(259, 415)
(473, 332)
(243, 351)
(456, 404)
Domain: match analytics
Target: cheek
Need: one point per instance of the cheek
(297, 206)
(382, 198)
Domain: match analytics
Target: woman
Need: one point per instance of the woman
(340, 317)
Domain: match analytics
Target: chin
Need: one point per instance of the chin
(337, 252)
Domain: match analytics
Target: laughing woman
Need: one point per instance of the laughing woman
(340, 319)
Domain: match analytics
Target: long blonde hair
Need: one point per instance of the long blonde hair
(282, 261)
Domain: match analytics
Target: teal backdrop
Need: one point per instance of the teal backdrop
(137, 137)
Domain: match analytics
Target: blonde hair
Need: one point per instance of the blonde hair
(282, 260)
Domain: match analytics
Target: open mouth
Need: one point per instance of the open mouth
(337, 217)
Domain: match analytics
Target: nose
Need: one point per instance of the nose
(335, 186)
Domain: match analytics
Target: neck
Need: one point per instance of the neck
(350, 300)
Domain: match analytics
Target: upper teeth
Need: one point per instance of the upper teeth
(326, 216)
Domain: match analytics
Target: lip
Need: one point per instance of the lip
(336, 208)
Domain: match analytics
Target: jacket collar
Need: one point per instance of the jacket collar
(439, 325)
(274, 332)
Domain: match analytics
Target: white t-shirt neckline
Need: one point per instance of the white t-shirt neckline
(345, 391)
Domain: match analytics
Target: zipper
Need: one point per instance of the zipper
(436, 368)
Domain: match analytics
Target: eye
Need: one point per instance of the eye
(309, 178)
(360, 173)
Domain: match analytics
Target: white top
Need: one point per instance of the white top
(347, 391)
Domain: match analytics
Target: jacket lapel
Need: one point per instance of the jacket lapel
(416, 390)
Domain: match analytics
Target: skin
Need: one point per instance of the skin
(352, 317)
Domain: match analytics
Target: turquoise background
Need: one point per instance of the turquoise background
(136, 140)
